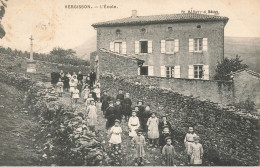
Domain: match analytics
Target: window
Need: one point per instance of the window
(198, 71)
(169, 46)
(169, 72)
(144, 70)
(198, 44)
(118, 47)
(144, 46)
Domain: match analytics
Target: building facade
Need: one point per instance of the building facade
(173, 46)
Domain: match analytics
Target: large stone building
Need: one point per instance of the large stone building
(186, 45)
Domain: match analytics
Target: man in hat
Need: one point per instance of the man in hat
(118, 110)
(105, 101)
(110, 115)
(92, 76)
(139, 142)
(140, 114)
(120, 96)
(127, 103)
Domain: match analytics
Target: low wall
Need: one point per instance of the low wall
(228, 137)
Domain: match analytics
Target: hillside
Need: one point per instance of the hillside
(247, 48)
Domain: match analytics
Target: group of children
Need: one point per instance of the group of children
(143, 122)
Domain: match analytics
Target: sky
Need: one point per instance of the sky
(52, 25)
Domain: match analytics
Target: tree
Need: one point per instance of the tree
(227, 66)
(2, 13)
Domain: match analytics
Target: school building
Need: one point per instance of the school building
(186, 45)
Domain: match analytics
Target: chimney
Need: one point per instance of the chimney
(134, 13)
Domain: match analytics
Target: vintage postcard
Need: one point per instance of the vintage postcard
(129, 82)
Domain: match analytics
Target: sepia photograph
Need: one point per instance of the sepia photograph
(129, 83)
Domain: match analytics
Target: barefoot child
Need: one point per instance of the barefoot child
(188, 140)
(133, 124)
(60, 87)
(168, 152)
(115, 132)
(139, 142)
(92, 115)
(196, 152)
(153, 131)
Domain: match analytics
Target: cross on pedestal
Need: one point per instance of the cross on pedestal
(31, 53)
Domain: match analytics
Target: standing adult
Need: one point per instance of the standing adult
(140, 114)
(80, 77)
(92, 76)
(110, 115)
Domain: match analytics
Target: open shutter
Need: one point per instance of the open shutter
(112, 46)
(150, 71)
(150, 46)
(205, 44)
(191, 72)
(177, 71)
(136, 47)
(206, 72)
(123, 47)
(162, 46)
(191, 45)
(176, 45)
(163, 71)
(138, 70)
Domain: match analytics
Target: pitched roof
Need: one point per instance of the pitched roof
(168, 18)
(248, 71)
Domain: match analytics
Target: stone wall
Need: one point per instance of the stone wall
(228, 137)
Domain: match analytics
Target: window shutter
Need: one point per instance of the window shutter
(150, 71)
(136, 47)
(123, 47)
(112, 46)
(162, 46)
(177, 71)
(163, 71)
(138, 70)
(176, 45)
(150, 46)
(191, 45)
(205, 44)
(206, 72)
(191, 72)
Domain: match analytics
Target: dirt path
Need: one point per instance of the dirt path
(153, 155)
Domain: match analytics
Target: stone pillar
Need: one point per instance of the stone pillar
(31, 64)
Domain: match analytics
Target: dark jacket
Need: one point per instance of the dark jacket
(80, 77)
(127, 103)
(118, 111)
(92, 76)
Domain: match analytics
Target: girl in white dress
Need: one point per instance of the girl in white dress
(75, 95)
(97, 91)
(92, 115)
(115, 133)
(196, 152)
(133, 124)
(153, 130)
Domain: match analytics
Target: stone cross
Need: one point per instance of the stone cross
(31, 53)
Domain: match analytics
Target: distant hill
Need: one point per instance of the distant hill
(248, 48)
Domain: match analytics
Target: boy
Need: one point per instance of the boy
(110, 115)
(127, 106)
(139, 142)
(120, 96)
(118, 109)
(168, 152)
(164, 123)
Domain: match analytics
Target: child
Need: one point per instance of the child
(94, 95)
(89, 99)
(79, 86)
(188, 140)
(110, 115)
(153, 131)
(196, 152)
(168, 152)
(127, 106)
(147, 115)
(165, 134)
(75, 95)
(73, 85)
(116, 131)
(92, 115)
(164, 123)
(105, 101)
(97, 91)
(85, 93)
(60, 87)
(133, 124)
(120, 96)
(118, 109)
(139, 143)
(140, 114)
